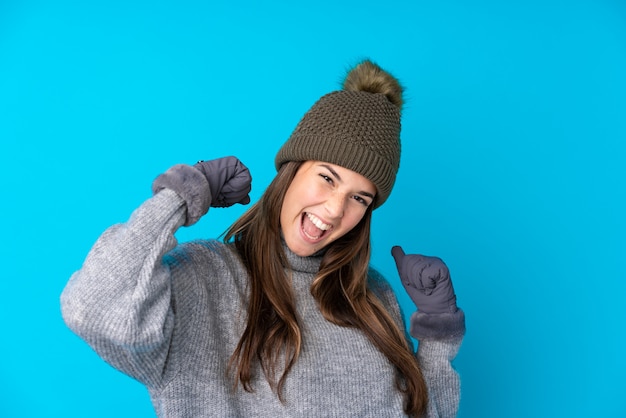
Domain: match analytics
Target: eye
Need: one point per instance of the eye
(360, 200)
(326, 178)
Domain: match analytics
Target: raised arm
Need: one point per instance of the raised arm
(119, 302)
(438, 325)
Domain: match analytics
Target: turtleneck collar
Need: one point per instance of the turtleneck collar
(310, 264)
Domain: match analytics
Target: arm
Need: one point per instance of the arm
(119, 301)
(439, 337)
(438, 325)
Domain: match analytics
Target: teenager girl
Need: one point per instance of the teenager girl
(285, 317)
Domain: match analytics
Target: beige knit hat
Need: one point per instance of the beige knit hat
(357, 128)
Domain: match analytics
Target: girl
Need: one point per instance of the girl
(284, 318)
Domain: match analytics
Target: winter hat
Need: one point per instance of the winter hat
(357, 128)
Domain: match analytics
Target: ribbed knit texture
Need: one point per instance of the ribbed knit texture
(353, 129)
(171, 316)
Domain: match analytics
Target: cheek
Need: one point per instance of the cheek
(352, 218)
(286, 211)
(289, 202)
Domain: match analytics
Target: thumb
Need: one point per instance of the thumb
(398, 255)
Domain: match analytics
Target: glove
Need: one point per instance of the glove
(427, 281)
(229, 181)
(218, 183)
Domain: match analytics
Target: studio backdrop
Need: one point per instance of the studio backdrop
(512, 170)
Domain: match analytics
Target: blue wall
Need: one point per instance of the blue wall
(512, 170)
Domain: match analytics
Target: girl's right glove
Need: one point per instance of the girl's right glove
(427, 281)
(219, 183)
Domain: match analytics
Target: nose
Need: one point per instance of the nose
(335, 205)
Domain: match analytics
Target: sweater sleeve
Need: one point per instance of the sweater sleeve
(439, 337)
(119, 302)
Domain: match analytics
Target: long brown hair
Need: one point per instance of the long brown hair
(340, 288)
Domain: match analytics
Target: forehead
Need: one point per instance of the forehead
(343, 175)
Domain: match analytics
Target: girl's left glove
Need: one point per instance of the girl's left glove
(427, 281)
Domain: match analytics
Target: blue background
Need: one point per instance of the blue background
(512, 170)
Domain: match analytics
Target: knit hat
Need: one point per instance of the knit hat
(357, 128)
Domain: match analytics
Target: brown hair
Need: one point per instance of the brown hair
(340, 288)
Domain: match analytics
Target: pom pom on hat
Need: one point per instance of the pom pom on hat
(357, 128)
(370, 78)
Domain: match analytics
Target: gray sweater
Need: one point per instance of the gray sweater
(171, 315)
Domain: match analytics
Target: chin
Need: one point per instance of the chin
(304, 250)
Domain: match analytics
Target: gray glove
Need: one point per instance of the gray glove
(427, 281)
(229, 181)
(218, 183)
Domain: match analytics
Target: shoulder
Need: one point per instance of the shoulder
(383, 290)
(378, 284)
(207, 271)
(205, 253)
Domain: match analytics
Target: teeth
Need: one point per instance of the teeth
(318, 222)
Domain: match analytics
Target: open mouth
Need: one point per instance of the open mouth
(313, 227)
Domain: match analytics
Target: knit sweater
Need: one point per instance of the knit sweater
(171, 315)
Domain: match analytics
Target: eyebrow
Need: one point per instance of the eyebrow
(338, 177)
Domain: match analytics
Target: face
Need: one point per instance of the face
(323, 202)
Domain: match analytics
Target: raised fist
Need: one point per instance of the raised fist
(218, 183)
(427, 281)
